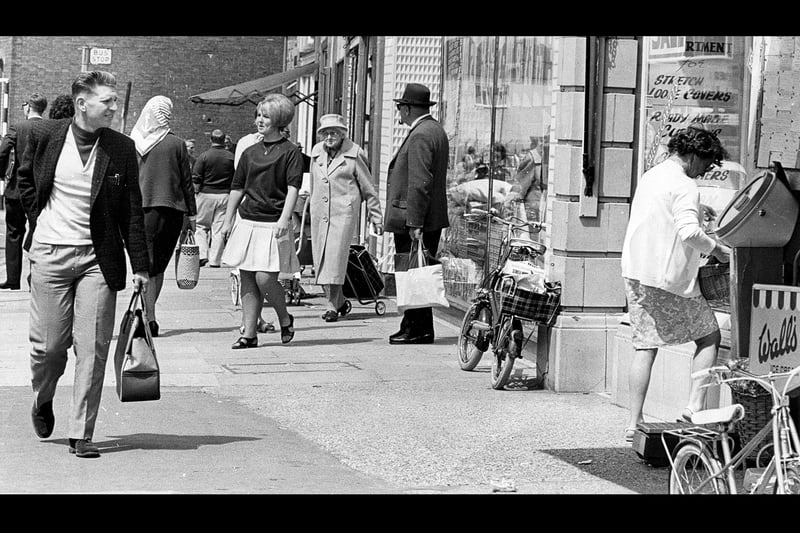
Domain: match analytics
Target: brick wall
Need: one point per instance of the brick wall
(174, 66)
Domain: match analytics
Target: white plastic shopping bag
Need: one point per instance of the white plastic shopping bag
(422, 286)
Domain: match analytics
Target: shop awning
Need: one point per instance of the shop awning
(253, 90)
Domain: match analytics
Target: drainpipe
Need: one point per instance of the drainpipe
(491, 155)
(592, 121)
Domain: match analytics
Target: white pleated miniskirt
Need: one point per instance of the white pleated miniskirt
(254, 246)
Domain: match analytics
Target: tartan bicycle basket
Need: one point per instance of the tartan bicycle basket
(541, 308)
(715, 281)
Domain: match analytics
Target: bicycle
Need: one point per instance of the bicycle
(695, 464)
(484, 324)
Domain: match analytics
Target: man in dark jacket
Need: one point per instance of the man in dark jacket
(16, 140)
(416, 207)
(212, 174)
(79, 180)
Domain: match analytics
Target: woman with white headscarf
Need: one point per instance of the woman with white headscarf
(165, 178)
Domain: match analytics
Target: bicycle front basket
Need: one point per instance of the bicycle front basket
(542, 308)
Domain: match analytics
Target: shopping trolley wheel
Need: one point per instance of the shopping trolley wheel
(380, 308)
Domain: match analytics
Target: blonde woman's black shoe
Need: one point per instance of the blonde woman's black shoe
(244, 342)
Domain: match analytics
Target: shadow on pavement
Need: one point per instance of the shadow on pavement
(158, 441)
(621, 466)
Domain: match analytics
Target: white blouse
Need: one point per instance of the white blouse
(664, 238)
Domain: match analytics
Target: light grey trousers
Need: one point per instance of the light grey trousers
(71, 304)
(210, 219)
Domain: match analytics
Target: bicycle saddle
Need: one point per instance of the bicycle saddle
(520, 242)
(722, 415)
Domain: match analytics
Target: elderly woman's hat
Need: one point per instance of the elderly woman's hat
(416, 94)
(332, 120)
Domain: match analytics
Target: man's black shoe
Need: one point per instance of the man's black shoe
(412, 338)
(83, 448)
(398, 333)
(43, 419)
(7, 285)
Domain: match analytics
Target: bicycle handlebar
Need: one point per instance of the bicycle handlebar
(492, 213)
(733, 366)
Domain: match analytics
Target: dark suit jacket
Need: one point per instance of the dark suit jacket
(417, 180)
(16, 139)
(116, 219)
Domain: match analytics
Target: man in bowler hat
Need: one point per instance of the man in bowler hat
(416, 207)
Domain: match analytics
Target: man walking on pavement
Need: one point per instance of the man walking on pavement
(212, 175)
(79, 179)
(16, 140)
(416, 207)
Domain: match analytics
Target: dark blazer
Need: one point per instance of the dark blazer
(16, 139)
(417, 180)
(116, 219)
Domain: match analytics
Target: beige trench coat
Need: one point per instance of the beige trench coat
(337, 190)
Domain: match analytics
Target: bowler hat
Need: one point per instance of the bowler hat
(331, 120)
(416, 94)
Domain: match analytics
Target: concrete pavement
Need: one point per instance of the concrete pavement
(337, 411)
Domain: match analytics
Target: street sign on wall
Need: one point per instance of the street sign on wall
(773, 329)
(100, 56)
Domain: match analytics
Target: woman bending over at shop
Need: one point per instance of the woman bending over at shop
(660, 260)
(260, 243)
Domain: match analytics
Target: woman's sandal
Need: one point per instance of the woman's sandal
(686, 415)
(343, 310)
(263, 327)
(629, 432)
(244, 342)
(287, 332)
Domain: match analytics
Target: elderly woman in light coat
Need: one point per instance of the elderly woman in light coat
(340, 181)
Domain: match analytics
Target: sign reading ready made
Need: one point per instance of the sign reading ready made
(773, 330)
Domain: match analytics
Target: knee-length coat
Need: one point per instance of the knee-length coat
(337, 190)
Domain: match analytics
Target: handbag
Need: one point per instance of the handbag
(135, 363)
(187, 263)
(420, 286)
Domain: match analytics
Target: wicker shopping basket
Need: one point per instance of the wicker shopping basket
(757, 403)
(715, 281)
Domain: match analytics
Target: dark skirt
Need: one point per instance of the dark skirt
(162, 227)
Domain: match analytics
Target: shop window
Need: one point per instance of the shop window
(498, 115)
(699, 80)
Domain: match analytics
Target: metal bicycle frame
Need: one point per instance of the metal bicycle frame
(486, 292)
(780, 421)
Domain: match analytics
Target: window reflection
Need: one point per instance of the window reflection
(502, 147)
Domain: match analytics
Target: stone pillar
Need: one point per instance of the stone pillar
(585, 250)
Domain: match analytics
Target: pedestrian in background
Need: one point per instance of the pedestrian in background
(62, 107)
(340, 181)
(212, 175)
(259, 244)
(190, 149)
(661, 255)
(79, 179)
(165, 179)
(16, 217)
(416, 206)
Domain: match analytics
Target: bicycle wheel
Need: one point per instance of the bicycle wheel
(473, 343)
(508, 346)
(692, 466)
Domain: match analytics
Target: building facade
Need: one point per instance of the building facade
(145, 66)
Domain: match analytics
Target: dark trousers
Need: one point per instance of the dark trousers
(417, 321)
(15, 237)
